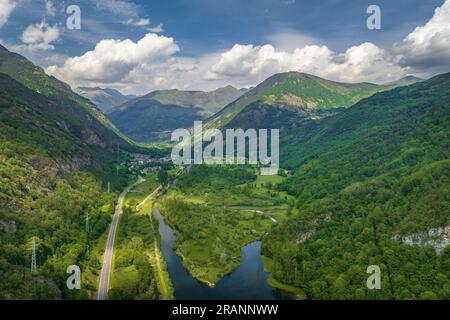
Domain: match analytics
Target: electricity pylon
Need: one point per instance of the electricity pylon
(33, 256)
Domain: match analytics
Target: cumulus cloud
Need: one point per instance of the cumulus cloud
(40, 36)
(159, 28)
(425, 51)
(428, 46)
(113, 60)
(365, 62)
(154, 62)
(6, 7)
(290, 40)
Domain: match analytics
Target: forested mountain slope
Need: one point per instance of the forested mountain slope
(364, 179)
(56, 155)
(76, 113)
(152, 116)
(44, 196)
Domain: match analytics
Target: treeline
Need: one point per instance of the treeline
(216, 176)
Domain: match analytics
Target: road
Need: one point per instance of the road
(105, 275)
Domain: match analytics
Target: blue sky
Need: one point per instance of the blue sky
(203, 30)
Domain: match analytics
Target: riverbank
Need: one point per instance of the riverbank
(247, 282)
(297, 292)
(210, 238)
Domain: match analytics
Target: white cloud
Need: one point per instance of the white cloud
(122, 8)
(50, 8)
(154, 62)
(425, 51)
(428, 46)
(365, 62)
(159, 28)
(113, 60)
(6, 7)
(40, 36)
(290, 40)
(138, 22)
(127, 10)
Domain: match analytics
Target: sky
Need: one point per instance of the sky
(140, 46)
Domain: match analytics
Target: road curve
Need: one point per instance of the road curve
(105, 274)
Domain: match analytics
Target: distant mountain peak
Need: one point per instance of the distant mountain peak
(411, 77)
(405, 81)
(298, 91)
(149, 116)
(105, 98)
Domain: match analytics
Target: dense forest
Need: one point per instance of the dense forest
(62, 162)
(53, 177)
(363, 180)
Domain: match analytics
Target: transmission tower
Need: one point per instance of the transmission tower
(33, 256)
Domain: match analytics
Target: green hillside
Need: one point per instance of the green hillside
(104, 98)
(363, 179)
(84, 115)
(56, 157)
(210, 102)
(298, 92)
(150, 120)
(45, 195)
(155, 115)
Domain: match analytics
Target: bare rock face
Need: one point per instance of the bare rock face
(92, 139)
(66, 166)
(438, 238)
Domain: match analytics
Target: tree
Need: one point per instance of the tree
(163, 177)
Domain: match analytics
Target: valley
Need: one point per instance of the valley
(362, 167)
(153, 116)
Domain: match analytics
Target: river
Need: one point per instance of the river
(248, 281)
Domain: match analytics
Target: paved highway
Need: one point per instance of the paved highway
(105, 275)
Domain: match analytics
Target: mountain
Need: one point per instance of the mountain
(50, 178)
(364, 181)
(105, 99)
(291, 93)
(150, 120)
(208, 102)
(152, 116)
(405, 81)
(79, 115)
(56, 155)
